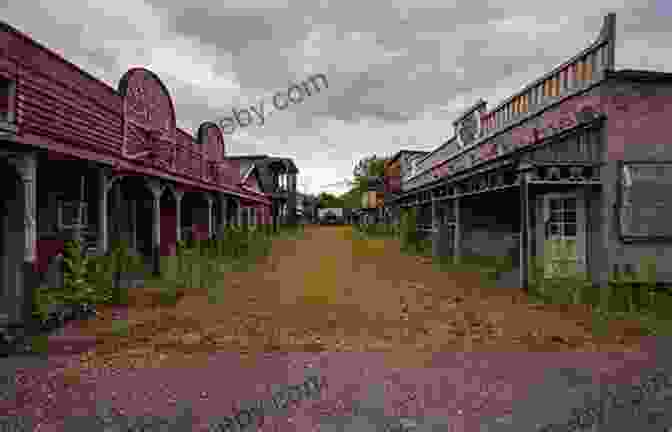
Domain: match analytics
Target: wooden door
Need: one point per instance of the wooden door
(564, 235)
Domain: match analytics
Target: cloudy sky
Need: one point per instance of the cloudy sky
(399, 71)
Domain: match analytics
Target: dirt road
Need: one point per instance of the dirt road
(328, 294)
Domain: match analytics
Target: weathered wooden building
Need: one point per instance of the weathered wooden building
(573, 172)
(276, 178)
(399, 168)
(80, 159)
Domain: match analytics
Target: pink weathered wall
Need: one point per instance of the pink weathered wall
(639, 120)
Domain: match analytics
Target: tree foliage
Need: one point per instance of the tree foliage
(368, 167)
(327, 200)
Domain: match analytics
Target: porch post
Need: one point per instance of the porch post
(524, 233)
(178, 214)
(223, 201)
(116, 206)
(457, 241)
(133, 222)
(157, 189)
(436, 226)
(208, 198)
(102, 211)
(77, 231)
(26, 167)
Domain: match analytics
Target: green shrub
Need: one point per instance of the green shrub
(409, 231)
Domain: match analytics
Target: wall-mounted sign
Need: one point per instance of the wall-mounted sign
(488, 150)
(554, 122)
(441, 170)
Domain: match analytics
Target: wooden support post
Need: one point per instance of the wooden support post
(457, 240)
(26, 167)
(102, 211)
(178, 214)
(157, 189)
(524, 232)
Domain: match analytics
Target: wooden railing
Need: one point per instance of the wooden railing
(575, 74)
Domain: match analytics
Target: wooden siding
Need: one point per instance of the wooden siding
(541, 107)
(136, 140)
(47, 107)
(439, 155)
(583, 146)
(30, 56)
(68, 107)
(252, 183)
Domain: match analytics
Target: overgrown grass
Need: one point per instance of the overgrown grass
(120, 328)
(632, 297)
(96, 279)
(488, 267)
(207, 263)
(377, 230)
(628, 297)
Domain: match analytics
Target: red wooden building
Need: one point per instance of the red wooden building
(80, 159)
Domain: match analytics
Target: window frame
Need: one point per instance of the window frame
(62, 224)
(624, 178)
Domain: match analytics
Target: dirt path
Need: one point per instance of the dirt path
(328, 293)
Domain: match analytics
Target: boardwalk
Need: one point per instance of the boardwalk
(358, 305)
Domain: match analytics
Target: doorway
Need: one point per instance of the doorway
(564, 235)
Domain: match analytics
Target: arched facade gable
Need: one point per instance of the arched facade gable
(149, 113)
(210, 137)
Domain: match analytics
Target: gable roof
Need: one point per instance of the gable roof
(252, 169)
(262, 167)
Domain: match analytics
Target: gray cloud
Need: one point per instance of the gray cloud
(398, 70)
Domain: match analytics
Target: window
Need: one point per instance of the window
(6, 100)
(68, 214)
(646, 200)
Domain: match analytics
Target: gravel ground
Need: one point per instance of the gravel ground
(394, 339)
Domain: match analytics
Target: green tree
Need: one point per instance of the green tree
(352, 199)
(327, 200)
(368, 167)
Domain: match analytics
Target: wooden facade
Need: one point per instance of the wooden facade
(80, 159)
(546, 177)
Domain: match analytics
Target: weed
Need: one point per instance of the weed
(120, 328)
